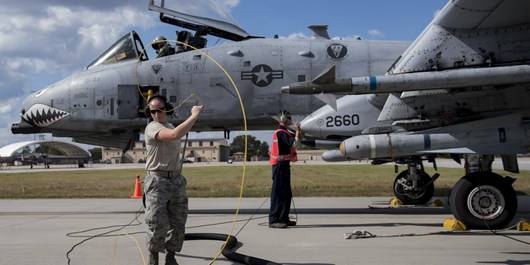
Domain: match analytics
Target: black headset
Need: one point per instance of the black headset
(284, 116)
(168, 108)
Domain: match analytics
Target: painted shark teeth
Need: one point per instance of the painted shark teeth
(42, 115)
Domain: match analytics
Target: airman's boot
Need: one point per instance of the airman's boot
(170, 258)
(153, 258)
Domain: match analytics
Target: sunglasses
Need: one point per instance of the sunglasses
(153, 111)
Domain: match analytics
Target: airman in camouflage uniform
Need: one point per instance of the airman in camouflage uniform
(165, 189)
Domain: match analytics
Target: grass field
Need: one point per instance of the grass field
(224, 181)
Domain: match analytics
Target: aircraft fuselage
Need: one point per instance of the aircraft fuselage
(109, 98)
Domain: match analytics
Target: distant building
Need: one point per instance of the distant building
(197, 150)
(43, 152)
(310, 155)
(238, 156)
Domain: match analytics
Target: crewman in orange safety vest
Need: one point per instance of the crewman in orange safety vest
(282, 152)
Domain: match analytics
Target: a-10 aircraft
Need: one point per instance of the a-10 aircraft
(102, 105)
(461, 88)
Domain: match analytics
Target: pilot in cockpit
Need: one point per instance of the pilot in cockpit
(162, 47)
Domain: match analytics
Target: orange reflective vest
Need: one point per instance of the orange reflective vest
(275, 156)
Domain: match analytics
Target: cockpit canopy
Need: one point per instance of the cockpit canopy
(126, 48)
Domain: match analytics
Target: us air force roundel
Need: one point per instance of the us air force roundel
(337, 51)
(262, 75)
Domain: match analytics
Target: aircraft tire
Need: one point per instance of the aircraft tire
(414, 197)
(483, 200)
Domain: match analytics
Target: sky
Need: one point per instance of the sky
(44, 41)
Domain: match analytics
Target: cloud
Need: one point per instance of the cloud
(296, 35)
(354, 37)
(58, 39)
(375, 33)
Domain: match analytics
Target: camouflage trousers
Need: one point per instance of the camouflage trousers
(166, 212)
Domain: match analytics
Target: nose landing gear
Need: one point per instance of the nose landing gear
(413, 186)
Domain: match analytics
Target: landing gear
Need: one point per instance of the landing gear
(484, 200)
(413, 185)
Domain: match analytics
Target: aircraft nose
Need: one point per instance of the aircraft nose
(312, 125)
(37, 111)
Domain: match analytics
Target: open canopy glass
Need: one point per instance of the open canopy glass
(126, 48)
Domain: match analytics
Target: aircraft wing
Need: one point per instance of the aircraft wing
(469, 27)
(470, 43)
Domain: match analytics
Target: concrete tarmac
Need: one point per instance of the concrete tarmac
(34, 232)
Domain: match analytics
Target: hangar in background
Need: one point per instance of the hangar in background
(43, 152)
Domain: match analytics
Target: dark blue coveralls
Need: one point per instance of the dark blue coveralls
(281, 193)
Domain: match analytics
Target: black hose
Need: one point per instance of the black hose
(229, 251)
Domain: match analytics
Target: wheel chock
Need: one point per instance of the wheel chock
(437, 203)
(452, 224)
(395, 202)
(523, 225)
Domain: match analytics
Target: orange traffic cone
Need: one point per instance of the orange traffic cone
(137, 194)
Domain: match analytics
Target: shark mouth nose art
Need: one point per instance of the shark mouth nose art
(42, 115)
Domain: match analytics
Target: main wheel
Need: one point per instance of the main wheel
(483, 200)
(404, 191)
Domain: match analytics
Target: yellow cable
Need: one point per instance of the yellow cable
(245, 133)
(137, 247)
(245, 130)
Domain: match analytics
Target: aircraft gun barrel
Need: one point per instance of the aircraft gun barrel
(24, 127)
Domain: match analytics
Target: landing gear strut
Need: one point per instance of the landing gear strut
(482, 199)
(413, 185)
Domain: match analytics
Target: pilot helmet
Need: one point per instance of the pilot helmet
(158, 42)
